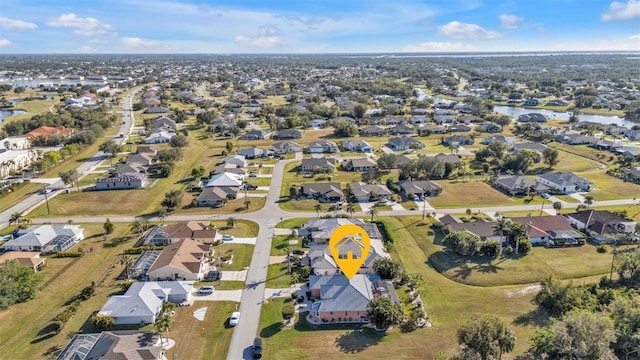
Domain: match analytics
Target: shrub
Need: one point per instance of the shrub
(602, 249)
(288, 310)
(64, 254)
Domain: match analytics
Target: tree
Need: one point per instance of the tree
(502, 225)
(179, 141)
(172, 200)
(373, 212)
(293, 192)
(18, 283)
(579, 335)
(137, 226)
(127, 260)
(387, 161)
(486, 336)
(588, 200)
(462, 243)
(387, 268)
(317, 208)
(359, 110)
(288, 310)
(162, 215)
(69, 177)
(16, 218)
(107, 226)
(345, 129)
(102, 322)
(550, 157)
(351, 208)
(198, 172)
(625, 313)
(383, 312)
(163, 323)
(287, 252)
(557, 206)
(229, 147)
(110, 147)
(559, 298)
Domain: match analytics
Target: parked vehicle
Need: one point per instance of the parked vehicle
(235, 318)
(298, 251)
(206, 290)
(257, 348)
(250, 186)
(227, 237)
(253, 175)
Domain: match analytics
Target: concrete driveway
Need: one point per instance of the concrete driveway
(365, 206)
(233, 275)
(220, 295)
(239, 240)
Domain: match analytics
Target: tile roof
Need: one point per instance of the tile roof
(185, 254)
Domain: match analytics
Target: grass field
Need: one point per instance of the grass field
(241, 254)
(280, 242)
(24, 327)
(610, 188)
(242, 228)
(24, 191)
(291, 223)
(277, 277)
(472, 194)
(208, 339)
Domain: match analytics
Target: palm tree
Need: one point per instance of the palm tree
(15, 218)
(167, 307)
(287, 252)
(373, 212)
(506, 342)
(163, 322)
(137, 227)
(317, 208)
(501, 226)
(126, 260)
(231, 222)
(162, 214)
(518, 231)
(588, 200)
(351, 208)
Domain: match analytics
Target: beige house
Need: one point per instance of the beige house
(31, 259)
(182, 260)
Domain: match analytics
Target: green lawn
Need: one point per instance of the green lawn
(473, 194)
(24, 191)
(277, 276)
(222, 285)
(566, 198)
(24, 327)
(241, 228)
(208, 339)
(280, 242)
(241, 256)
(610, 188)
(632, 211)
(291, 223)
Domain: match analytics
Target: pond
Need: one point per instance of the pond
(6, 113)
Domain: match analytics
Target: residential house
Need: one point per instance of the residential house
(238, 160)
(419, 120)
(225, 180)
(325, 192)
(435, 129)
(142, 302)
(532, 117)
(357, 146)
(256, 134)
(182, 260)
(15, 143)
(31, 259)
(402, 129)
(489, 128)
(45, 238)
(159, 137)
(124, 345)
(393, 120)
(633, 135)
(373, 131)
(193, 230)
(458, 140)
(576, 139)
(318, 123)
(419, 188)
(538, 148)
(345, 300)
(323, 263)
(557, 102)
(163, 122)
(485, 230)
(15, 160)
(222, 126)
(532, 102)
(147, 149)
(599, 224)
(363, 164)
(368, 192)
(319, 165)
(452, 159)
(632, 174)
(468, 119)
(122, 181)
(215, 196)
(286, 147)
(254, 153)
(318, 231)
(459, 128)
(287, 134)
(505, 140)
(564, 182)
(231, 169)
(404, 143)
(141, 159)
(552, 230)
(517, 185)
(156, 110)
(322, 146)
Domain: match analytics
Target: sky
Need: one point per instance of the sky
(317, 26)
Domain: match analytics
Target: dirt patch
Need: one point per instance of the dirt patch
(525, 290)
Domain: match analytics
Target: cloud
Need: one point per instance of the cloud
(458, 30)
(307, 22)
(138, 43)
(634, 37)
(5, 42)
(433, 46)
(81, 26)
(622, 11)
(510, 22)
(12, 24)
(86, 50)
(263, 42)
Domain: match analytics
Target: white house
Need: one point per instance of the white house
(122, 181)
(235, 159)
(159, 137)
(564, 182)
(142, 302)
(15, 160)
(357, 145)
(46, 238)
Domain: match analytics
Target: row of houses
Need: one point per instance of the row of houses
(332, 192)
(558, 182)
(133, 173)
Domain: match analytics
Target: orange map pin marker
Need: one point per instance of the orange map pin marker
(349, 245)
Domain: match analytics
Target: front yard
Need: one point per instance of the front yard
(471, 194)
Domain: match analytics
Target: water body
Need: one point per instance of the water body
(517, 111)
(6, 113)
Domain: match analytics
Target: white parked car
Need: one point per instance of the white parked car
(235, 318)
(206, 290)
(227, 237)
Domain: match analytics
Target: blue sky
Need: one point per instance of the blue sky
(317, 26)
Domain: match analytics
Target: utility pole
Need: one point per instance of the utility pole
(46, 198)
(75, 174)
